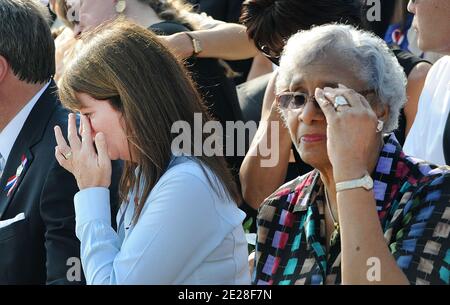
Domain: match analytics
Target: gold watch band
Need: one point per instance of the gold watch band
(195, 44)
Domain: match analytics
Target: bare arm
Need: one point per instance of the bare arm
(259, 180)
(353, 147)
(416, 81)
(260, 66)
(362, 241)
(227, 41)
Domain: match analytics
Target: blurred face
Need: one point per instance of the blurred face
(307, 125)
(91, 13)
(432, 23)
(104, 118)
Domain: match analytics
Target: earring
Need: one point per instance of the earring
(380, 125)
(121, 6)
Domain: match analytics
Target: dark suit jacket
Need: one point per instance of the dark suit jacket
(36, 250)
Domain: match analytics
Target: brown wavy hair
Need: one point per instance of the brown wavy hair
(127, 66)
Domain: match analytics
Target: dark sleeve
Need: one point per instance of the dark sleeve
(58, 215)
(407, 60)
(234, 10)
(420, 241)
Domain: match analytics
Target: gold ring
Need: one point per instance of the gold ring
(68, 155)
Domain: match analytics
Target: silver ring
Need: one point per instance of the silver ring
(340, 101)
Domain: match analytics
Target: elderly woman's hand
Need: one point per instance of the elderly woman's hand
(90, 168)
(352, 136)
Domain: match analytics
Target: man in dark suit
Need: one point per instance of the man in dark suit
(37, 220)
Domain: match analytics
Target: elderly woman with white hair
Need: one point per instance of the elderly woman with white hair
(367, 214)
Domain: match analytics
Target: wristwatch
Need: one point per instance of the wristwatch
(365, 182)
(195, 44)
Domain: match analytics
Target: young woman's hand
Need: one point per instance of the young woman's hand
(90, 168)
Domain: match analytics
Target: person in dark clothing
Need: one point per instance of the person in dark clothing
(225, 10)
(228, 11)
(37, 219)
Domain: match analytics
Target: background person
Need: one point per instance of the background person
(339, 91)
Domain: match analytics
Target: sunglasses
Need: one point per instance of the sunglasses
(274, 57)
(297, 100)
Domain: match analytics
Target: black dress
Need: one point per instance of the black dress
(228, 11)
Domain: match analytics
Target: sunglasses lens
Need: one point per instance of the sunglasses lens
(284, 100)
(291, 101)
(270, 55)
(299, 101)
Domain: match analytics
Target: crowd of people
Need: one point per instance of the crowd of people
(344, 179)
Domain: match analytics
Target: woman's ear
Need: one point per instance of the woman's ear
(382, 111)
(4, 67)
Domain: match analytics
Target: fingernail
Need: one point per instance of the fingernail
(319, 93)
(100, 136)
(328, 94)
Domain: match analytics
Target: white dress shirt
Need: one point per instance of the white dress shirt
(425, 140)
(9, 134)
(186, 234)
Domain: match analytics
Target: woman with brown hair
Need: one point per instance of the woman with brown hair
(179, 222)
(210, 75)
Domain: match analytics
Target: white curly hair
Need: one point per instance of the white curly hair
(370, 57)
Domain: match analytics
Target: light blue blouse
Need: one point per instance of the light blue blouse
(186, 234)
